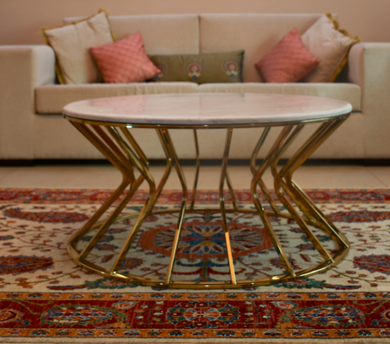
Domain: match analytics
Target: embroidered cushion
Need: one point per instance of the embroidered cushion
(288, 61)
(71, 43)
(201, 68)
(124, 61)
(331, 45)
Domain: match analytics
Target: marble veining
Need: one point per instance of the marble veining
(210, 109)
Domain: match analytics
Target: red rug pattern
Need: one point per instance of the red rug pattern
(196, 315)
(44, 295)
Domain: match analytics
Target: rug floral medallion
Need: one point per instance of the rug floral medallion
(45, 297)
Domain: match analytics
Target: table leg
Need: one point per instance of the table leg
(120, 147)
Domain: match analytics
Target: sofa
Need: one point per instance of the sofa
(32, 127)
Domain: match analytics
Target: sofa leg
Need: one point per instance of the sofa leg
(16, 163)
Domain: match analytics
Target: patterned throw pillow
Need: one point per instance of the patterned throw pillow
(124, 61)
(71, 43)
(330, 45)
(289, 61)
(202, 68)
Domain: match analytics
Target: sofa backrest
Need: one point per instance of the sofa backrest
(162, 33)
(255, 33)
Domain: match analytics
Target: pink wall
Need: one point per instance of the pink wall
(20, 20)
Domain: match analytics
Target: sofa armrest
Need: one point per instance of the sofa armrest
(369, 67)
(22, 68)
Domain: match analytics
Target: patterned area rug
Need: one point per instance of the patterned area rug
(45, 297)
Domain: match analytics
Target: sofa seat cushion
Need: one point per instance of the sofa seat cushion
(51, 99)
(348, 92)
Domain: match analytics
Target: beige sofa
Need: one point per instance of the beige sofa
(31, 125)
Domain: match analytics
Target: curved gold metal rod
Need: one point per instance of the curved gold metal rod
(304, 202)
(135, 145)
(114, 148)
(126, 180)
(225, 159)
(147, 208)
(313, 143)
(145, 174)
(253, 168)
(231, 190)
(140, 164)
(167, 169)
(196, 169)
(297, 217)
(258, 146)
(283, 148)
(102, 147)
(110, 220)
(267, 161)
(302, 156)
(144, 170)
(143, 157)
(297, 159)
(169, 147)
(320, 219)
(130, 238)
(127, 173)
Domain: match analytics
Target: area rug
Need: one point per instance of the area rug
(45, 297)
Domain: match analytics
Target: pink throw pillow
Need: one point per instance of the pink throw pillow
(124, 61)
(289, 61)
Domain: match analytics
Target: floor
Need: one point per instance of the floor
(102, 176)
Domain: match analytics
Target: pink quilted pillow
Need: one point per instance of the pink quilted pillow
(124, 61)
(289, 61)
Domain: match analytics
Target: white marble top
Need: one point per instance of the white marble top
(207, 109)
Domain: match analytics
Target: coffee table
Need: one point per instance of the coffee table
(108, 123)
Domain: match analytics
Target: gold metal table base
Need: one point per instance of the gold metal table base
(117, 143)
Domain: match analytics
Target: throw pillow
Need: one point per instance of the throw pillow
(289, 61)
(71, 43)
(201, 68)
(331, 45)
(124, 61)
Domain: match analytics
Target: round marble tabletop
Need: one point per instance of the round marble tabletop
(208, 109)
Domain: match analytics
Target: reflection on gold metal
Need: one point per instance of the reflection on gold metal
(222, 204)
(196, 169)
(253, 169)
(118, 145)
(169, 147)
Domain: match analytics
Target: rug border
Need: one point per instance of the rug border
(11, 340)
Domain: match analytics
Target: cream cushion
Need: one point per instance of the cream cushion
(330, 46)
(71, 44)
